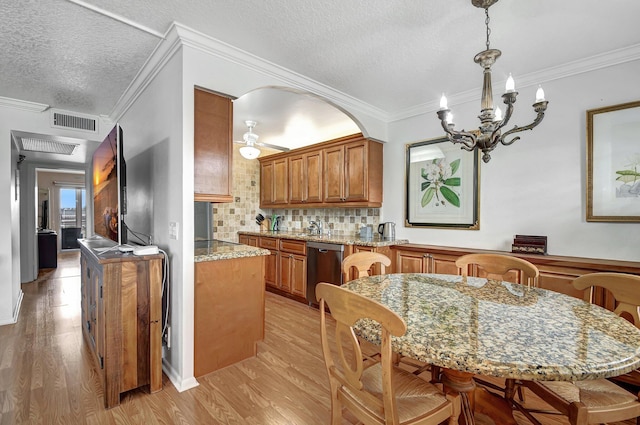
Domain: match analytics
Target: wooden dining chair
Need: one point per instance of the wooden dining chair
(600, 400)
(379, 393)
(500, 267)
(363, 261)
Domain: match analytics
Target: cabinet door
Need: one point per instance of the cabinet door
(297, 179)
(298, 266)
(442, 264)
(356, 171)
(305, 178)
(411, 262)
(280, 181)
(286, 271)
(266, 184)
(313, 176)
(271, 269)
(333, 163)
(213, 147)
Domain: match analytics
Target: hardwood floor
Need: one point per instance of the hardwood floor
(47, 376)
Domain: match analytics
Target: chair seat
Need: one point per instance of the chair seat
(593, 394)
(415, 397)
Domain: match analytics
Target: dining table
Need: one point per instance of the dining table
(476, 326)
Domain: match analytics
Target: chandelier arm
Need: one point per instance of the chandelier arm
(467, 140)
(540, 109)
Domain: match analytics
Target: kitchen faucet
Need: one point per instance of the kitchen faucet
(317, 225)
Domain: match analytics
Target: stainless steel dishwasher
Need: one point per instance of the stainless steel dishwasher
(324, 262)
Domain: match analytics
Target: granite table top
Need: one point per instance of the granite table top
(213, 250)
(338, 238)
(496, 328)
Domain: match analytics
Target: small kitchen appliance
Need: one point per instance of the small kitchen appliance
(387, 230)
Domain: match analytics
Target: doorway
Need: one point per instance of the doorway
(72, 216)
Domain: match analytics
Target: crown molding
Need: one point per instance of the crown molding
(569, 69)
(23, 105)
(179, 35)
(163, 52)
(215, 47)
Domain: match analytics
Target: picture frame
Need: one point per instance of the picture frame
(613, 163)
(442, 186)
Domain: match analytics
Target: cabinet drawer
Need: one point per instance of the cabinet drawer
(269, 243)
(293, 246)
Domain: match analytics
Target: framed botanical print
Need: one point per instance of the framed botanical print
(442, 185)
(613, 163)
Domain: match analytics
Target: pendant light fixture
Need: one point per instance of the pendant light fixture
(491, 122)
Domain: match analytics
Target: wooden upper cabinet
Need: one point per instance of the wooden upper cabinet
(281, 181)
(296, 176)
(213, 147)
(345, 172)
(266, 183)
(274, 178)
(313, 176)
(333, 174)
(305, 178)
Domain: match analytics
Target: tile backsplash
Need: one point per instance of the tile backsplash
(240, 215)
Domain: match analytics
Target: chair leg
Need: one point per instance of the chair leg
(436, 372)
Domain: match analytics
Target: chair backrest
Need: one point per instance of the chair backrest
(497, 266)
(345, 364)
(625, 288)
(363, 261)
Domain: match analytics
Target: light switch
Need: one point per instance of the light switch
(174, 230)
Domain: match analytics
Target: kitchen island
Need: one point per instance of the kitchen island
(229, 303)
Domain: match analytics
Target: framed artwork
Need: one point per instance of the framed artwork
(613, 163)
(442, 183)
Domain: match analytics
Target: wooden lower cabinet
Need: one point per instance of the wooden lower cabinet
(286, 267)
(375, 268)
(410, 261)
(293, 273)
(121, 311)
(556, 272)
(272, 262)
(248, 240)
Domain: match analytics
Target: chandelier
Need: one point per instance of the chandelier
(250, 138)
(491, 122)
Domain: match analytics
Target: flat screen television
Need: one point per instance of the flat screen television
(110, 188)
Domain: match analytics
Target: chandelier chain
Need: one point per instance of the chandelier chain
(486, 22)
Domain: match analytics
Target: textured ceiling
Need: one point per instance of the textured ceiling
(81, 55)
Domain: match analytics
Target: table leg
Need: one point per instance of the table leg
(476, 399)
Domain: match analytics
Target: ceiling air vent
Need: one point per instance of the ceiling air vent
(46, 145)
(60, 119)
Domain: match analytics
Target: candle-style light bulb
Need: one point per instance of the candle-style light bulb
(539, 94)
(443, 102)
(510, 87)
(449, 118)
(498, 114)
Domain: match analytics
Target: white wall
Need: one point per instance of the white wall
(11, 220)
(152, 127)
(535, 186)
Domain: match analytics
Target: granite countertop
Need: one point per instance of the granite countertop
(496, 328)
(338, 238)
(213, 250)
